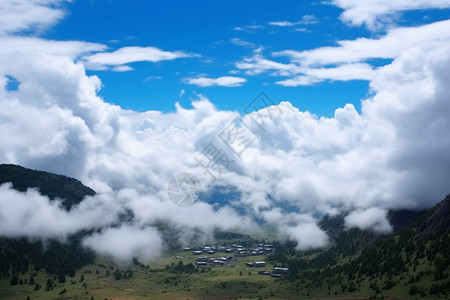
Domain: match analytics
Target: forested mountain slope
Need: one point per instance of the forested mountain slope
(70, 190)
(21, 254)
(414, 262)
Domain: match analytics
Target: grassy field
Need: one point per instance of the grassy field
(236, 281)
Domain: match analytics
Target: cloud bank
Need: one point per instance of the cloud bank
(297, 167)
(31, 214)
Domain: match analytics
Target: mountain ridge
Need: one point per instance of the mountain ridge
(71, 191)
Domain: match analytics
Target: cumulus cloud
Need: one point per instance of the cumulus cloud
(375, 13)
(374, 159)
(227, 81)
(373, 218)
(298, 167)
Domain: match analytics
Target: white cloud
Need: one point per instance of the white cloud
(388, 46)
(283, 23)
(299, 80)
(373, 218)
(21, 46)
(29, 15)
(376, 12)
(350, 60)
(257, 64)
(126, 242)
(242, 43)
(301, 228)
(345, 72)
(307, 236)
(122, 68)
(151, 78)
(227, 81)
(30, 214)
(248, 27)
(309, 19)
(378, 158)
(125, 55)
(305, 20)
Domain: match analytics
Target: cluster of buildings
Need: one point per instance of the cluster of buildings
(213, 261)
(258, 264)
(276, 272)
(237, 250)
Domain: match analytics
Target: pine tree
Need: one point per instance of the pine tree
(49, 284)
(61, 278)
(14, 279)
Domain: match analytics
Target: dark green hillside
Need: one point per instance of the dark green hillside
(54, 186)
(435, 221)
(412, 263)
(22, 255)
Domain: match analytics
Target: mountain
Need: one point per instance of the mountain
(412, 262)
(21, 255)
(399, 219)
(54, 186)
(436, 220)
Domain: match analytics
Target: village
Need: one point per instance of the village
(226, 256)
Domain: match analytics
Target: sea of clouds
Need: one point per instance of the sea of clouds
(393, 154)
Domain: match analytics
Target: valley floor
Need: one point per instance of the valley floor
(237, 281)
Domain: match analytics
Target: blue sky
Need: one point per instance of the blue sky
(218, 35)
